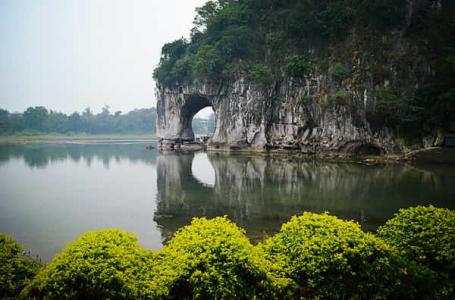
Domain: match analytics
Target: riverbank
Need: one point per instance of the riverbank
(76, 138)
(434, 155)
(438, 155)
(430, 155)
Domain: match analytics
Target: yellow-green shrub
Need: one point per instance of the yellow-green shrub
(427, 235)
(315, 256)
(105, 264)
(213, 259)
(329, 258)
(15, 269)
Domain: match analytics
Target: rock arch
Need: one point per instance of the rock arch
(249, 117)
(175, 112)
(239, 122)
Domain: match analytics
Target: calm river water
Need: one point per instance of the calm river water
(50, 194)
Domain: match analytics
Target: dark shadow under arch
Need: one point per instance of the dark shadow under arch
(359, 148)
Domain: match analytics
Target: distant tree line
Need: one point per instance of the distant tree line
(42, 120)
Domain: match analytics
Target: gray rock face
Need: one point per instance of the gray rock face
(322, 112)
(297, 116)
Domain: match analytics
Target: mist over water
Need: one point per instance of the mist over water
(51, 194)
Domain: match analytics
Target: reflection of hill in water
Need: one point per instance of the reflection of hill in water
(260, 193)
(41, 155)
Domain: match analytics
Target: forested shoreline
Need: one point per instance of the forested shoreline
(40, 120)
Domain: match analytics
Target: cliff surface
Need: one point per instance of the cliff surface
(375, 81)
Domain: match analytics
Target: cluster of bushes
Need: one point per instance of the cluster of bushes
(314, 256)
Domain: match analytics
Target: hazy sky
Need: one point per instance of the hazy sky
(70, 54)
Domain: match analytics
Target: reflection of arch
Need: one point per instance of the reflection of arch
(202, 169)
(362, 148)
(180, 196)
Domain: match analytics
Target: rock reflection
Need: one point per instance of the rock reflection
(260, 193)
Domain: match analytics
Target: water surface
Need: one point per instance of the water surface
(52, 193)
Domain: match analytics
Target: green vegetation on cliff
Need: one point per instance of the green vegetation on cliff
(232, 36)
(401, 54)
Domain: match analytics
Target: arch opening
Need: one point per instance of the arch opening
(203, 123)
(195, 114)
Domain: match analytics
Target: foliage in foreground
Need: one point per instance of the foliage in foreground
(214, 259)
(329, 258)
(426, 235)
(106, 264)
(15, 269)
(315, 256)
